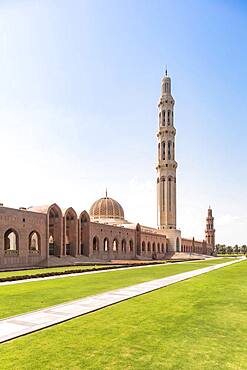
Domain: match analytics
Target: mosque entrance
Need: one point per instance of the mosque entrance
(177, 245)
(55, 230)
(70, 232)
(84, 233)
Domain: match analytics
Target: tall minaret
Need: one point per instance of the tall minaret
(166, 168)
(210, 231)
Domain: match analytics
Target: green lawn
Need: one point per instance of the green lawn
(29, 296)
(198, 324)
(49, 269)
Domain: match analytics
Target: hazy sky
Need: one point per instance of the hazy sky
(79, 86)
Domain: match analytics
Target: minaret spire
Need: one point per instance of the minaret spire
(210, 230)
(106, 193)
(167, 166)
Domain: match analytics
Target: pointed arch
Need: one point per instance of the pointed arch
(158, 247)
(106, 245)
(34, 242)
(154, 247)
(149, 247)
(131, 246)
(95, 244)
(169, 153)
(138, 239)
(84, 230)
(124, 249)
(115, 245)
(54, 219)
(143, 247)
(70, 232)
(84, 216)
(163, 150)
(11, 242)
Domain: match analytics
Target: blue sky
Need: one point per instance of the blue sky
(79, 85)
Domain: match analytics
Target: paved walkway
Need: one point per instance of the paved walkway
(89, 272)
(17, 326)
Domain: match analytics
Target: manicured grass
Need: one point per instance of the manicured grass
(29, 296)
(196, 324)
(49, 269)
(230, 255)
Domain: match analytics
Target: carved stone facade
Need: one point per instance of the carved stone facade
(31, 236)
(20, 233)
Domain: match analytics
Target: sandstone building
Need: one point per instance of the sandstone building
(33, 236)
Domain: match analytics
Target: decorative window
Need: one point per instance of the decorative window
(34, 241)
(154, 247)
(115, 245)
(11, 242)
(143, 247)
(124, 245)
(169, 194)
(169, 150)
(164, 118)
(163, 150)
(106, 245)
(95, 244)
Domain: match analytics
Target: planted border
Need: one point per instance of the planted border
(79, 271)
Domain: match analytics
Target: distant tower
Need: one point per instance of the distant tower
(210, 231)
(166, 167)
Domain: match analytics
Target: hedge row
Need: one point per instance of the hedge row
(69, 272)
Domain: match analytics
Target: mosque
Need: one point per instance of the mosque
(42, 235)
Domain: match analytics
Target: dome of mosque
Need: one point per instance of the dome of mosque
(106, 208)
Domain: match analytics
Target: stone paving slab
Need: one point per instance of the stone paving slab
(17, 326)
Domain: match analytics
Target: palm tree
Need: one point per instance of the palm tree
(217, 248)
(229, 249)
(244, 249)
(223, 249)
(236, 250)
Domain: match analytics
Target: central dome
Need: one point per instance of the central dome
(106, 208)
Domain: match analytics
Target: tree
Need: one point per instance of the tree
(229, 249)
(236, 249)
(243, 249)
(223, 249)
(217, 248)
